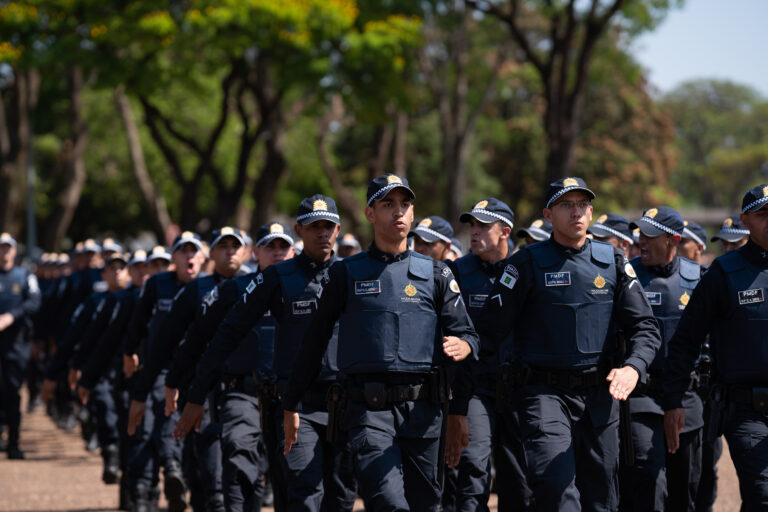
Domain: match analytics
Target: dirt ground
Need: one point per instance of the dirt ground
(59, 475)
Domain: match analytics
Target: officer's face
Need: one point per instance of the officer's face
(657, 250)
(318, 237)
(139, 273)
(275, 251)
(115, 275)
(757, 223)
(486, 238)
(391, 216)
(7, 256)
(436, 250)
(732, 246)
(188, 260)
(157, 265)
(226, 256)
(570, 216)
(690, 249)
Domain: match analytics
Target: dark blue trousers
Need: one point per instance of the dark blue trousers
(644, 485)
(707, 493)
(101, 405)
(747, 436)
(13, 365)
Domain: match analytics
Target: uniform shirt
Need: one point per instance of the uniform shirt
(265, 295)
(631, 312)
(145, 308)
(82, 316)
(453, 320)
(19, 296)
(711, 304)
(93, 332)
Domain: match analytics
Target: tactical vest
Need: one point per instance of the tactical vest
(167, 287)
(475, 286)
(390, 320)
(668, 297)
(13, 292)
(256, 350)
(567, 317)
(740, 340)
(300, 293)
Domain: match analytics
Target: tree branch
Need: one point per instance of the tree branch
(168, 153)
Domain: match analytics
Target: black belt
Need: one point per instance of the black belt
(382, 394)
(316, 397)
(566, 379)
(757, 398)
(242, 384)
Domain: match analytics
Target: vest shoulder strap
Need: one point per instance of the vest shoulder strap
(731, 261)
(359, 266)
(544, 254)
(690, 270)
(466, 264)
(286, 268)
(420, 266)
(602, 252)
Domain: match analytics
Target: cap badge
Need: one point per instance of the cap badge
(651, 212)
(570, 182)
(108, 241)
(348, 236)
(425, 223)
(158, 249)
(5, 236)
(16, 288)
(537, 223)
(684, 298)
(481, 204)
(602, 219)
(140, 254)
(319, 204)
(187, 234)
(599, 281)
(394, 179)
(410, 290)
(89, 241)
(727, 223)
(227, 231)
(276, 228)
(765, 191)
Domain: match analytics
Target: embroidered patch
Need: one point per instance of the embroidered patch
(259, 279)
(509, 277)
(251, 286)
(684, 298)
(557, 279)
(477, 301)
(599, 281)
(411, 290)
(751, 296)
(630, 270)
(654, 298)
(367, 287)
(454, 286)
(303, 307)
(447, 272)
(212, 296)
(164, 304)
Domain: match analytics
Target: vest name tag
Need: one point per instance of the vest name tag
(557, 279)
(654, 298)
(164, 304)
(751, 296)
(367, 287)
(477, 301)
(303, 307)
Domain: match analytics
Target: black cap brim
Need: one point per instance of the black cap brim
(566, 190)
(603, 231)
(318, 216)
(647, 229)
(272, 236)
(485, 219)
(426, 236)
(194, 241)
(222, 237)
(385, 191)
(535, 233)
(728, 236)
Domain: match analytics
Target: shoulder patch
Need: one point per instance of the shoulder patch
(252, 285)
(212, 296)
(509, 276)
(630, 270)
(447, 272)
(454, 286)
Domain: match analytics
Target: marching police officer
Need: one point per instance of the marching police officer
(401, 319)
(19, 300)
(538, 231)
(733, 233)
(614, 229)
(432, 237)
(668, 281)
(694, 242)
(730, 305)
(563, 300)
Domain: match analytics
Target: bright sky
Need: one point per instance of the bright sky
(722, 39)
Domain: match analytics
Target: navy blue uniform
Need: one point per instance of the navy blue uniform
(392, 311)
(474, 395)
(316, 474)
(657, 477)
(563, 307)
(19, 296)
(730, 305)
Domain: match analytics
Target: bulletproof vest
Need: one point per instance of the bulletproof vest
(300, 294)
(13, 290)
(740, 340)
(668, 297)
(390, 320)
(566, 321)
(257, 349)
(167, 287)
(476, 284)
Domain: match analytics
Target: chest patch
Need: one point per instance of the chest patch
(164, 304)
(303, 307)
(557, 279)
(477, 301)
(367, 287)
(654, 298)
(751, 296)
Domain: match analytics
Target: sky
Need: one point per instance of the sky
(720, 39)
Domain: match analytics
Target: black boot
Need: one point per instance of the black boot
(111, 457)
(215, 503)
(154, 499)
(140, 497)
(174, 487)
(13, 446)
(126, 503)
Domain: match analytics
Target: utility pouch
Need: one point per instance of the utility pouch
(760, 399)
(375, 394)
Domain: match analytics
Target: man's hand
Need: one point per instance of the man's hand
(6, 319)
(135, 415)
(456, 439)
(72, 377)
(48, 389)
(456, 348)
(674, 423)
(291, 429)
(171, 400)
(623, 382)
(83, 394)
(191, 417)
(130, 364)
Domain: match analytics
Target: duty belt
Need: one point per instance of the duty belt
(315, 397)
(242, 384)
(380, 394)
(755, 397)
(566, 379)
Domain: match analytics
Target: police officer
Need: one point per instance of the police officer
(694, 242)
(668, 281)
(348, 245)
(457, 250)
(317, 476)
(19, 300)
(150, 445)
(392, 305)
(242, 443)
(563, 300)
(432, 237)
(538, 231)
(473, 422)
(733, 233)
(730, 305)
(613, 229)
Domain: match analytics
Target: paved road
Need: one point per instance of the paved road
(60, 475)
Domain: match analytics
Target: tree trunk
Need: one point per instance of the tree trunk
(382, 142)
(155, 202)
(274, 167)
(401, 140)
(74, 167)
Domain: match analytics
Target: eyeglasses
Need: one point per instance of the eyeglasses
(569, 205)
